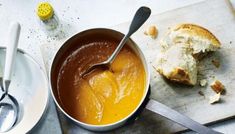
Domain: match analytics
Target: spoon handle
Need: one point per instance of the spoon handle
(178, 118)
(141, 15)
(12, 43)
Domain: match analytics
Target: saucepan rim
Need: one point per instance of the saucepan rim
(139, 54)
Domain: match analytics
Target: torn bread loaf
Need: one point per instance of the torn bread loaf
(178, 65)
(195, 37)
(181, 48)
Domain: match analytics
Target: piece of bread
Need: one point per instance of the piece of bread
(217, 86)
(178, 65)
(195, 37)
(183, 46)
(214, 99)
(151, 31)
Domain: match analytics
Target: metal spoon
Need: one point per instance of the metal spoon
(1, 84)
(9, 107)
(141, 15)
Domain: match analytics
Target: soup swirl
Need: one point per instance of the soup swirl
(104, 96)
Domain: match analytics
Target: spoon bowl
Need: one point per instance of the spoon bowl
(9, 109)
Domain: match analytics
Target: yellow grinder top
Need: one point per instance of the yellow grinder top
(45, 11)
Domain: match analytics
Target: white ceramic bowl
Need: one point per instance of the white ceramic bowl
(29, 85)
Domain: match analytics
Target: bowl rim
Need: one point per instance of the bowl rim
(46, 106)
(140, 55)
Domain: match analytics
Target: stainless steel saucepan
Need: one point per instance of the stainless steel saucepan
(151, 105)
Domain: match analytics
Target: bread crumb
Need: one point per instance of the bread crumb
(152, 32)
(217, 86)
(216, 63)
(215, 98)
(203, 82)
(201, 93)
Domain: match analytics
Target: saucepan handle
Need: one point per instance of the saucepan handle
(177, 117)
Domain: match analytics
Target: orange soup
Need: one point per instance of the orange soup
(105, 95)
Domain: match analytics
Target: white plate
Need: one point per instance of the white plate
(29, 86)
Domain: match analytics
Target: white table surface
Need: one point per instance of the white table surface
(78, 15)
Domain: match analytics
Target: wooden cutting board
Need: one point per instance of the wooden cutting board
(218, 17)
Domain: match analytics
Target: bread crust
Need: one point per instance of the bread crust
(178, 75)
(195, 30)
